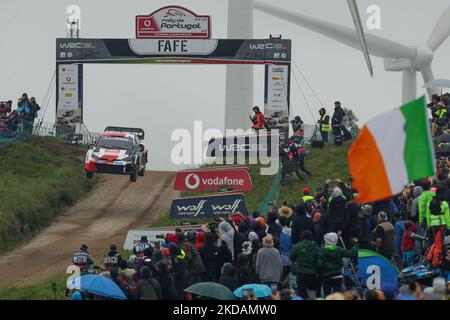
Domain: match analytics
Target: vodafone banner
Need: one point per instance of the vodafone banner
(211, 179)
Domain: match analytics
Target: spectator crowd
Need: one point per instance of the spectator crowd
(299, 250)
(25, 113)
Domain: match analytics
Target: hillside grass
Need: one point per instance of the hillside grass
(39, 177)
(328, 163)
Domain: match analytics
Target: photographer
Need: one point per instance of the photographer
(297, 126)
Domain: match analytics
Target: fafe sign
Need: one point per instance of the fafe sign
(211, 206)
(212, 179)
(173, 22)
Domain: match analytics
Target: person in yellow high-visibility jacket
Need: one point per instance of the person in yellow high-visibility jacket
(324, 124)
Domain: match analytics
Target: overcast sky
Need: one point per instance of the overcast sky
(160, 98)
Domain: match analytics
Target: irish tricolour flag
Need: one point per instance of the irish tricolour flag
(392, 150)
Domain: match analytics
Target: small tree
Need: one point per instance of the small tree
(351, 121)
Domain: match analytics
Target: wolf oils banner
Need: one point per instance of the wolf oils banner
(69, 95)
(211, 206)
(212, 179)
(276, 96)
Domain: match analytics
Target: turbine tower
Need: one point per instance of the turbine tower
(397, 57)
(239, 86)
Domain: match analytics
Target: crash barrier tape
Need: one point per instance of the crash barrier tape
(272, 194)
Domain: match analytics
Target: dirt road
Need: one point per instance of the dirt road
(102, 218)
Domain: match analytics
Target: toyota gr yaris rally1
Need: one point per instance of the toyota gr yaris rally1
(118, 151)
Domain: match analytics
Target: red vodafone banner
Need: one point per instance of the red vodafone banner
(211, 179)
(173, 22)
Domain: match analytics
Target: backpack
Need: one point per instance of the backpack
(435, 207)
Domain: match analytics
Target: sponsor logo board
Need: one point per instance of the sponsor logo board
(210, 206)
(173, 22)
(212, 179)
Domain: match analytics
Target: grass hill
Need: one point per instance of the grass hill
(328, 163)
(38, 178)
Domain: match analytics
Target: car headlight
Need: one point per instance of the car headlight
(128, 160)
(94, 156)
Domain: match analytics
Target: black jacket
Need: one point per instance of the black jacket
(338, 116)
(210, 257)
(300, 223)
(168, 290)
(336, 218)
(229, 278)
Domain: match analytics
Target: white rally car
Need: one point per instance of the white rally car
(118, 151)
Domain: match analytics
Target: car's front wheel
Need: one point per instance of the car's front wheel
(89, 174)
(134, 175)
(142, 171)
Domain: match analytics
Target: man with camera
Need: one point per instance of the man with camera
(297, 126)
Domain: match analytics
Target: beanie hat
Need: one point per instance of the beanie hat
(262, 221)
(330, 239)
(417, 191)
(171, 237)
(253, 236)
(337, 192)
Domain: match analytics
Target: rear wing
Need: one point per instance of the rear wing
(139, 132)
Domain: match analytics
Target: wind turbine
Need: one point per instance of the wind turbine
(360, 32)
(397, 57)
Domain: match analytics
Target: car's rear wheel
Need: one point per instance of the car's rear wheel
(89, 174)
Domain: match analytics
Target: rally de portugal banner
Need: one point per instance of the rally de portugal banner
(212, 179)
(211, 206)
(173, 22)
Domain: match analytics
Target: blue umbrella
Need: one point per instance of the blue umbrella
(98, 285)
(260, 290)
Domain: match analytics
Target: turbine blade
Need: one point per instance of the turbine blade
(377, 46)
(360, 32)
(440, 32)
(427, 75)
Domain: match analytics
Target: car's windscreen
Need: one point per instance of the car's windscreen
(112, 142)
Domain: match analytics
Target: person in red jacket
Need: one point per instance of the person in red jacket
(408, 244)
(199, 240)
(258, 119)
